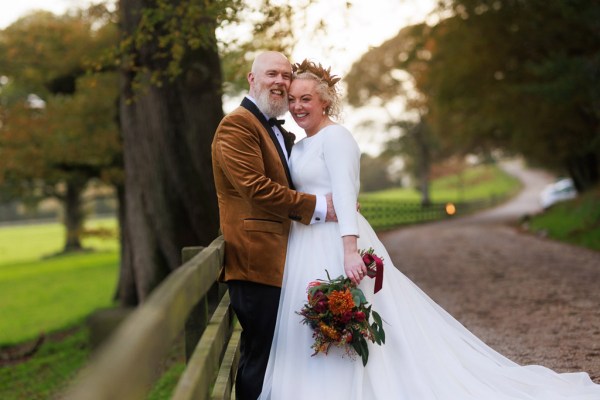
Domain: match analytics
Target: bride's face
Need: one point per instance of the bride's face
(306, 106)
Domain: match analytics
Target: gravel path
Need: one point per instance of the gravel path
(532, 299)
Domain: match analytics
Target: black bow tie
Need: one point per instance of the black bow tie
(275, 121)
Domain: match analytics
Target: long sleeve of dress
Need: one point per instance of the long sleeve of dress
(342, 158)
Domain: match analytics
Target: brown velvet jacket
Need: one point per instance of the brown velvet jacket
(256, 203)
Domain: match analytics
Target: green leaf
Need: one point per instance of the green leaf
(377, 326)
(364, 351)
(377, 318)
(358, 296)
(379, 336)
(356, 346)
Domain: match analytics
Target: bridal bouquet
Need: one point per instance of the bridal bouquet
(339, 314)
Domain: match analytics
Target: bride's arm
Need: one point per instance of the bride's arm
(342, 157)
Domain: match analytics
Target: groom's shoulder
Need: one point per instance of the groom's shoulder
(241, 113)
(240, 121)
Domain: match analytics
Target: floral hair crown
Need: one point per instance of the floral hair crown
(318, 70)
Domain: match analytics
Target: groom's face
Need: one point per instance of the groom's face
(269, 84)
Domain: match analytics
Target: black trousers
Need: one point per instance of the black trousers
(255, 305)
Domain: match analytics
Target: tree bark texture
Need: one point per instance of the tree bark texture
(584, 170)
(170, 201)
(423, 162)
(73, 218)
(125, 292)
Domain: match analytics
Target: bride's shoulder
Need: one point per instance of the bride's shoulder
(337, 128)
(339, 138)
(337, 133)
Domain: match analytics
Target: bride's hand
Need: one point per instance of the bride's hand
(354, 267)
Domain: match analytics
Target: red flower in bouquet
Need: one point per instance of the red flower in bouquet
(339, 315)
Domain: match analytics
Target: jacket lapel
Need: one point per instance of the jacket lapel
(288, 137)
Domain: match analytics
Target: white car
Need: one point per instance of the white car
(558, 191)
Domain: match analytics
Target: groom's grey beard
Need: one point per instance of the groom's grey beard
(271, 108)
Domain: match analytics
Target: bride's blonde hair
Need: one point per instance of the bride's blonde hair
(326, 84)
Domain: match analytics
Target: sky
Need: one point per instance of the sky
(351, 33)
(11, 10)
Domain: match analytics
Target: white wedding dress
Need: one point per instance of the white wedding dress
(427, 355)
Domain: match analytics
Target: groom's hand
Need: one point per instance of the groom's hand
(331, 215)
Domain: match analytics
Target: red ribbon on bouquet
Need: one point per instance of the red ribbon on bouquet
(374, 265)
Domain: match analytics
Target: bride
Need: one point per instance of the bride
(427, 354)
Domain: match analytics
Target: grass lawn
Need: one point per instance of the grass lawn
(41, 290)
(479, 186)
(49, 372)
(479, 182)
(45, 374)
(476, 183)
(22, 243)
(44, 296)
(576, 221)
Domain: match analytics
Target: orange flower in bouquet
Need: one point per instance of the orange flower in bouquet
(340, 315)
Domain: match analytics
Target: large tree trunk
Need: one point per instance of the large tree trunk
(73, 218)
(584, 170)
(170, 201)
(126, 292)
(423, 161)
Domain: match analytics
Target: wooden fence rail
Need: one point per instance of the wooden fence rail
(126, 366)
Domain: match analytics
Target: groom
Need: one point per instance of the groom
(257, 202)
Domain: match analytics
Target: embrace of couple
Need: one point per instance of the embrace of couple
(286, 216)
